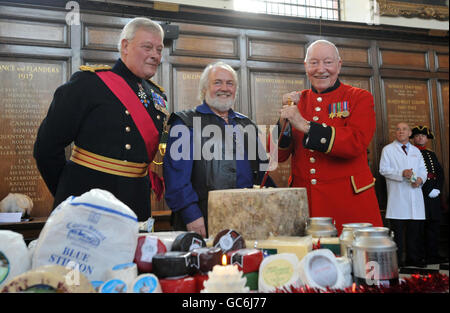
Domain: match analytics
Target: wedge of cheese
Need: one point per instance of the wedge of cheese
(300, 246)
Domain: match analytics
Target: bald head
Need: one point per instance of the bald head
(402, 132)
(322, 43)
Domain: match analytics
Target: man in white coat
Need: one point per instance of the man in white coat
(403, 167)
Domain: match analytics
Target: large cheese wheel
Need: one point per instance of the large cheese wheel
(147, 247)
(257, 213)
(50, 278)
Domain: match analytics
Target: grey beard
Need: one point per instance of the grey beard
(219, 104)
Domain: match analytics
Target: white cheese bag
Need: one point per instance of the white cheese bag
(92, 233)
(14, 258)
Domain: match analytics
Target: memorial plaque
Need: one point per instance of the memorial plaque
(25, 94)
(186, 83)
(406, 101)
(267, 90)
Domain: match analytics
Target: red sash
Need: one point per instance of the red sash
(141, 118)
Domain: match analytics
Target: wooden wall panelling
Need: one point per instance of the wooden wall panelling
(34, 32)
(406, 101)
(443, 117)
(26, 91)
(267, 89)
(275, 51)
(35, 58)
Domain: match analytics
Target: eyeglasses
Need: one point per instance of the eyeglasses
(316, 63)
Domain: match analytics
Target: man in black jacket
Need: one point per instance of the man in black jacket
(211, 147)
(431, 190)
(111, 149)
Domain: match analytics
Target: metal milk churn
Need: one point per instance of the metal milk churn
(374, 256)
(321, 227)
(346, 237)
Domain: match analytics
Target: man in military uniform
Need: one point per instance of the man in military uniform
(115, 118)
(329, 129)
(431, 190)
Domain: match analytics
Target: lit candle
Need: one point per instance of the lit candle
(225, 279)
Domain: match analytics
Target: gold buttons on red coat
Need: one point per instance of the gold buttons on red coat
(317, 109)
(319, 99)
(312, 171)
(313, 181)
(312, 160)
(315, 118)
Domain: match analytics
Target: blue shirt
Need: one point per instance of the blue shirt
(179, 193)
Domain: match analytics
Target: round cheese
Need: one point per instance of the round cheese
(126, 272)
(147, 247)
(50, 278)
(229, 239)
(14, 256)
(319, 269)
(114, 286)
(278, 271)
(200, 279)
(171, 264)
(247, 260)
(204, 259)
(146, 283)
(188, 241)
(179, 285)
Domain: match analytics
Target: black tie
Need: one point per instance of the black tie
(404, 149)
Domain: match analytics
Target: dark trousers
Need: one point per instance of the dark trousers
(409, 233)
(432, 230)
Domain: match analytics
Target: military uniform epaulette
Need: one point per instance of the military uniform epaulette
(156, 85)
(94, 68)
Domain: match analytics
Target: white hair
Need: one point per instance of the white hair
(204, 78)
(322, 41)
(130, 29)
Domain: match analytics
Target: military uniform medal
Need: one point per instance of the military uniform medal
(142, 96)
(345, 113)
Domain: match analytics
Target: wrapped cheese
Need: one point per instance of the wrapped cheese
(14, 257)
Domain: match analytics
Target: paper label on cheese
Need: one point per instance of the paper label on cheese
(323, 272)
(146, 284)
(196, 243)
(149, 249)
(114, 286)
(277, 272)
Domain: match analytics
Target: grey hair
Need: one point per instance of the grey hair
(322, 41)
(130, 29)
(204, 78)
